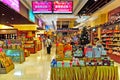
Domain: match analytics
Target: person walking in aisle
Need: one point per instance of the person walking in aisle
(48, 43)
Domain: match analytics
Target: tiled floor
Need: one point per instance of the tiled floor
(36, 67)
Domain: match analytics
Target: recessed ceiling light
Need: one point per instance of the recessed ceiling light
(95, 0)
(7, 22)
(12, 18)
(3, 14)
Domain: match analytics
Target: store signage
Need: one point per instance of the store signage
(63, 7)
(42, 7)
(40, 23)
(114, 14)
(31, 16)
(14, 4)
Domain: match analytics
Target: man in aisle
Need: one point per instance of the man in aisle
(48, 43)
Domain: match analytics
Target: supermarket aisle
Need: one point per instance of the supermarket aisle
(36, 67)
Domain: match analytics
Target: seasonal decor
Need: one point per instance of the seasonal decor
(84, 37)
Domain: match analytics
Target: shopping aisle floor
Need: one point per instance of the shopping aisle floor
(36, 67)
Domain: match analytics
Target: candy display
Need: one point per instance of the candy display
(94, 52)
(76, 62)
(15, 55)
(6, 63)
(12, 44)
(78, 52)
(115, 55)
(53, 63)
(60, 50)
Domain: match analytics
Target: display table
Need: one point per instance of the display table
(115, 57)
(15, 54)
(85, 73)
(31, 46)
(7, 69)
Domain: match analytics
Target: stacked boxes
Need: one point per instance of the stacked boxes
(59, 50)
(68, 50)
(94, 52)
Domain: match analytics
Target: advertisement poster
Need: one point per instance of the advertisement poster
(42, 7)
(62, 7)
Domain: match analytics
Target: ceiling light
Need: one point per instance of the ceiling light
(95, 0)
(12, 18)
(3, 14)
(7, 22)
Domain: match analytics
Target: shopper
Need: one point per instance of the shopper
(48, 43)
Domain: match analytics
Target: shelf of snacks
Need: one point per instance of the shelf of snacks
(16, 55)
(93, 34)
(26, 53)
(116, 48)
(6, 64)
(110, 37)
(111, 41)
(106, 36)
(114, 54)
(12, 44)
(39, 45)
(30, 46)
(116, 40)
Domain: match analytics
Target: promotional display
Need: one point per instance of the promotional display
(6, 64)
(15, 55)
(14, 4)
(63, 7)
(40, 23)
(41, 7)
(31, 16)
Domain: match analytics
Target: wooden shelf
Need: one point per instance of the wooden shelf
(106, 36)
(116, 40)
(113, 44)
(107, 40)
(107, 33)
(110, 32)
(112, 49)
(117, 36)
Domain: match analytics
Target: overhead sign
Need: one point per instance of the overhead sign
(63, 7)
(31, 16)
(42, 7)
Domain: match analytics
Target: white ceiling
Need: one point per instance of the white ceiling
(48, 18)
